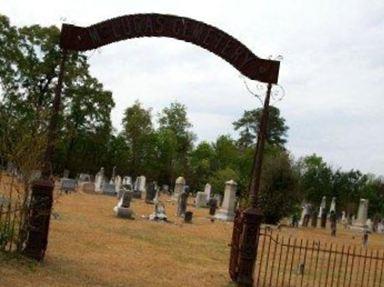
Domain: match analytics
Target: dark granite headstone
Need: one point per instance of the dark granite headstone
(68, 184)
(323, 222)
(182, 204)
(212, 203)
(314, 219)
(126, 199)
(188, 217)
(151, 192)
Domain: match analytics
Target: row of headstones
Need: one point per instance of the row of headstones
(116, 186)
(361, 222)
(204, 199)
(180, 195)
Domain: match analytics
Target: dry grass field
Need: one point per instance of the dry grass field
(89, 246)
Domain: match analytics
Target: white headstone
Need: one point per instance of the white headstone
(127, 180)
(118, 183)
(306, 210)
(322, 206)
(369, 224)
(201, 199)
(99, 180)
(141, 186)
(380, 227)
(362, 214)
(207, 191)
(179, 187)
(227, 210)
(333, 205)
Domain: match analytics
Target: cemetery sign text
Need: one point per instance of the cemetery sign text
(158, 25)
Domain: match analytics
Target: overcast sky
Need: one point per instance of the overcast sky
(332, 71)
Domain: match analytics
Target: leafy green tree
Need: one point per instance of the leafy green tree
(226, 153)
(348, 188)
(173, 123)
(248, 126)
(279, 194)
(201, 163)
(137, 129)
(315, 179)
(220, 177)
(28, 77)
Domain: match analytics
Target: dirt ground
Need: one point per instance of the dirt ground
(89, 246)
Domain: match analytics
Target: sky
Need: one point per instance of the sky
(332, 71)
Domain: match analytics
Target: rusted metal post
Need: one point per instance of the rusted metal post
(253, 215)
(42, 190)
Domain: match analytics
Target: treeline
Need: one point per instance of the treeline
(161, 147)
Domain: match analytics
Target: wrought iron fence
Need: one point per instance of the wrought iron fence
(293, 262)
(13, 216)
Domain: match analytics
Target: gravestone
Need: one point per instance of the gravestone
(136, 192)
(182, 203)
(344, 219)
(380, 227)
(68, 185)
(179, 188)
(122, 209)
(87, 187)
(369, 224)
(201, 199)
(323, 205)
(218, 198)
(207, 191)
(333, 206)
(212, 203)
(362, 215)
(314, 220)
(117, 183)
(66, 173)
(113, 174)
(127, 180)
(84, 177)
(165, 189)
(333, 222)
(141, 186)
(305, 215)
(188, 217)
(151, 192)
(109, 189)
(99, 180)
(159, 213)
(227, 210)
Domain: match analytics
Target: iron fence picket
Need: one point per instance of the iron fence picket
(297, 262)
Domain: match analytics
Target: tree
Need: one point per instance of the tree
(201, 162)
(226, 153)
(220, 177)
(28, 78)
(248, 126)
(315, 179)
(173, 122)
(279, 193)
(137, 129)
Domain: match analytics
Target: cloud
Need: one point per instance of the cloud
(332, 72)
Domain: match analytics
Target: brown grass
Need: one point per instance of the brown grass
(89, 246)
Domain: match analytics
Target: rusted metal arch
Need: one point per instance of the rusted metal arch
(75, 38)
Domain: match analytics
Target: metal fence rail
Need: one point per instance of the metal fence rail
(292, 262)
(13, 216)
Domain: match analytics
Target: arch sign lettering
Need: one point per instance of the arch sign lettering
(158, 25)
